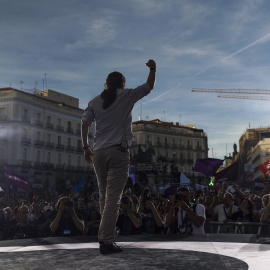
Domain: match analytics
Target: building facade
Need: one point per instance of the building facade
(169, 147)
(258, 155)
(40, 138)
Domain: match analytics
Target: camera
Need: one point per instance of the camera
(146, 195)
(179, 197)
(125, 200)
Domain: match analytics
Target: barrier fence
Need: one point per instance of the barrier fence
(237, 227)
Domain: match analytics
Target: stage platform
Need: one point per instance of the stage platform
(210, 251)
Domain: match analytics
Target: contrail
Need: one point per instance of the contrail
(220, 61)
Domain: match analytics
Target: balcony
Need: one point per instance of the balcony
(190, 161)
(3, 139)
(49, 145)
(49, 125)
(189, 147)
(78, 131)
(60, 167)
(70, 130)
(182, 161)
(79, 169)
(166, 144)
(174, 145)
(60, 146)
(181, 147)
(49, 165)
(38, 164)
(3, 117)
(26, 163)
(70, 148)
(79, 149)
(25, 140)
(158, 144)
(69, 168)
(39, 143)
(60, 128)
(39, 123)
(26, 119)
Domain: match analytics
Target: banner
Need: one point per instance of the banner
(228, 174)
(265, 167)
(16, 181)
(258, 184)
(208, 166)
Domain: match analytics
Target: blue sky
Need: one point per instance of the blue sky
(196, 44)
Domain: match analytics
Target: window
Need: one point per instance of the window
(267, 152)
(79, 143)
(2, 132)
(38, 117)
(69, 141)
(2, 154)
(38, 156)
(38, 135)
(59, 122)
(49, 157)
(59, 159)
(69, 160)
(2, 111)
(24, 154)
(49, 119)
(24, 132)
(49, 137)
(25, 113)
(59, 139)
(79, 161)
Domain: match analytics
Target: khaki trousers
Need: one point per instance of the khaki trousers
(112, 170)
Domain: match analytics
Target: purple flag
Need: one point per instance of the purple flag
(16, 181)
(229, 174)
(208, 166)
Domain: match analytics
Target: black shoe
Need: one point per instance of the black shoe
(109, 248)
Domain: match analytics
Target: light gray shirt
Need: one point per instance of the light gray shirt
(114, 124)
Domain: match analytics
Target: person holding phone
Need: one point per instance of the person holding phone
(66, 222)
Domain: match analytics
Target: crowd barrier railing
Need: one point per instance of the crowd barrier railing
(237, 227)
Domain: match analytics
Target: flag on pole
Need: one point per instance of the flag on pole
(228, 174)
(184, 181)
(78, 187)
(208, 166)
(15, 180)
(265, 167)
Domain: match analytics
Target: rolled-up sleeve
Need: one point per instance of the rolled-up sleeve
(88, 115)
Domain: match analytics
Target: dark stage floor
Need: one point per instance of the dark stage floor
(212, 251)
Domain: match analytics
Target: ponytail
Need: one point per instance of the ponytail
(114, 82)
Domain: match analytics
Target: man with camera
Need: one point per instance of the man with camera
(151, 220)
(129, 222)
(66, 222)
(184, 217)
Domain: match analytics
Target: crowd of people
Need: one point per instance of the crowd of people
(177, 211)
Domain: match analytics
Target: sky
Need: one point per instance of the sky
(196, 44)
